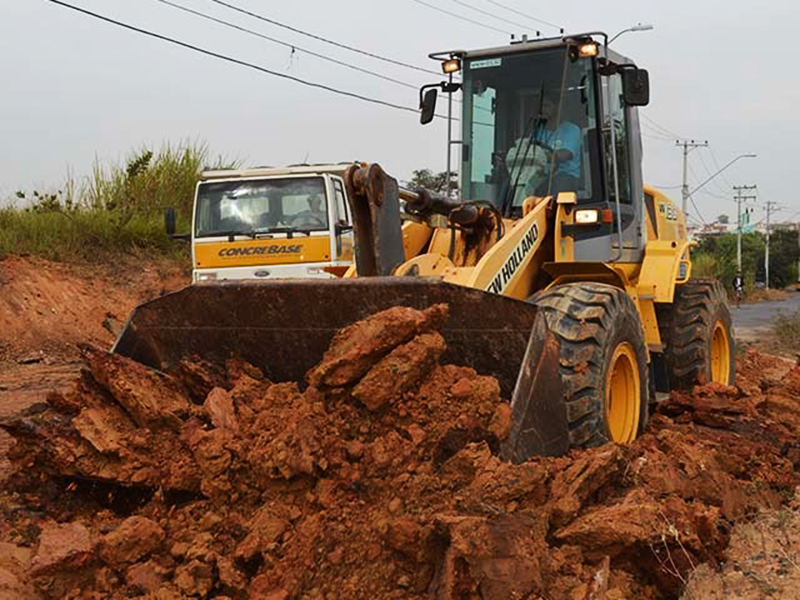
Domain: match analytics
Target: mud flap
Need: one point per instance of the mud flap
(539, 424)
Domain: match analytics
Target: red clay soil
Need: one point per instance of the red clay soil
(47, 309)
(380, 480)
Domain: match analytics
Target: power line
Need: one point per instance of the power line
(485, 12)
(710, 175)
(323, 39)
(522, 14)
(716, 164)
(286, 44)
(455, 15)
(660, 127)
(233, 60)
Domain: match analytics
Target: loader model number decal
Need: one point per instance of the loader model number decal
(259, 250)
(514, 262)
(670, 212)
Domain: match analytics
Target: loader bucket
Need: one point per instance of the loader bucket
(285, 326)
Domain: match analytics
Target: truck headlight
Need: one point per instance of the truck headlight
(206, 277)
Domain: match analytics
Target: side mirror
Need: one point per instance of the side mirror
(342, 227)
(427, 106)
(169, 220)
(636, 87)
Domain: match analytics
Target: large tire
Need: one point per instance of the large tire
(698, 336)
(602, 359)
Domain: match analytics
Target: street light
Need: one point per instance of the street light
(637, 27)
(720, 171)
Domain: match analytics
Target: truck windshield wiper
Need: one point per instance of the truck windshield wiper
(228, 233)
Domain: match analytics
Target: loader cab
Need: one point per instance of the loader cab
(537, 120)
(271, 224)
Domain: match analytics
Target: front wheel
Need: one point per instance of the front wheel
(603, 361)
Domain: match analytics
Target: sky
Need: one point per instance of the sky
(77, 89)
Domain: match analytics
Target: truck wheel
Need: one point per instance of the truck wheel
(698, 336)
(603, 361)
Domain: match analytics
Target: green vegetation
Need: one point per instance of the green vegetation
(715, 257)
(119, 208)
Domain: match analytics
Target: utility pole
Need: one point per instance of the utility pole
(688, 146)
(740, 197)
(770, 205)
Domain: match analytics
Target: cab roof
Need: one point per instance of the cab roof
(303, 169)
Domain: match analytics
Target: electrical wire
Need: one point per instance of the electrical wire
(716, 164)
(485, 12)
(711, 176)
(456, 15)
(323, 39)
(286, 44)
(664, 130)
(522, 14)
(234, 60)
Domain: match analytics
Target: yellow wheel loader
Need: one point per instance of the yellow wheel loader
(567, 278)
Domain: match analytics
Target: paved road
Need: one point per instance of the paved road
(754, 320)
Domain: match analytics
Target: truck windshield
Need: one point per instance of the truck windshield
(529, 119)
(260, 205)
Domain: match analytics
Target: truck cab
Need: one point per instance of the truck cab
(271, 223)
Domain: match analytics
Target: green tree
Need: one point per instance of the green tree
(434, 182)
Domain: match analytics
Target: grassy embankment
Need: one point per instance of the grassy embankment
(117, 210)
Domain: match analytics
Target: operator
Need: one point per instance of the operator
(314, 216)
(553, 145)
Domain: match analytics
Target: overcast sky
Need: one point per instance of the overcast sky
(75, 88)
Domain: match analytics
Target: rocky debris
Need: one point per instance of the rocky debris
(66, 546)
(355, 349)
(382, 479)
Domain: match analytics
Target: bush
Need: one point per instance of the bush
(117, 209)
(787, 329)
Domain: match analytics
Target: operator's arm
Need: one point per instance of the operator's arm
(569, 142)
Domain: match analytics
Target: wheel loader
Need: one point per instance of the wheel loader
(566, 277)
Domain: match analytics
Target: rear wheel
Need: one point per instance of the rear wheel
(698, 335)
(603, 361)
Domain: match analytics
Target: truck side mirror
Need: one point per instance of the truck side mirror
(636, 87)
(169, 220)
(342, 227)
(427, 106)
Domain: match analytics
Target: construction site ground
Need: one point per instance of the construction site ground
(379, 476)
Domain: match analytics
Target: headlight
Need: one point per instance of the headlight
(585, 217)
(206, 277)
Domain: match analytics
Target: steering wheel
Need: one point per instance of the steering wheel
(312, 220)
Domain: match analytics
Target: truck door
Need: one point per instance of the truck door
(342, 222)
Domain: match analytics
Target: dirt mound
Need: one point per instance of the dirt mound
(380, 480)
(46, 308)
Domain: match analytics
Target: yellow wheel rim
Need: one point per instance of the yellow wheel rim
(623, 395)
(720, 354)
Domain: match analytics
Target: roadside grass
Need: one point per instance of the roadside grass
(117, 209)
(787, 329)
(83, 235)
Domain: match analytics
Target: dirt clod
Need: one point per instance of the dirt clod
(382, 479)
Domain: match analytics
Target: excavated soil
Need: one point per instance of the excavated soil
(48, 308)
(378, 477)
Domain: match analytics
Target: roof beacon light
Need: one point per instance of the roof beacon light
(588, 50)
(452, 65)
